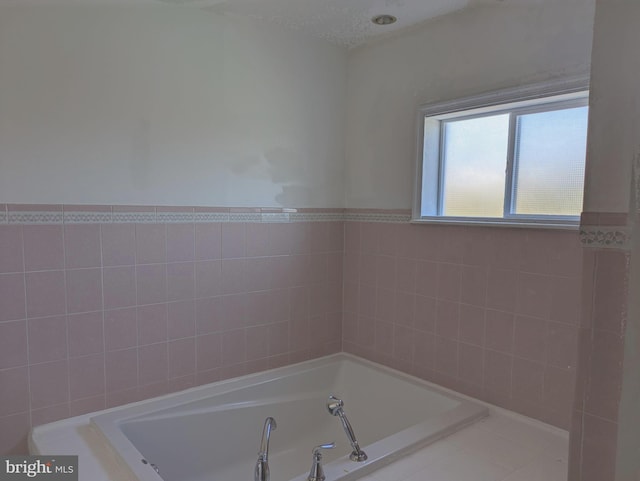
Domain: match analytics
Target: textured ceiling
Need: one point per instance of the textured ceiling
(343, 22)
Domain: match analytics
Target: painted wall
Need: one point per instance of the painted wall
(167, 106)
(477, 50)
(614, 123)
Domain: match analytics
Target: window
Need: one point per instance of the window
(515, 157)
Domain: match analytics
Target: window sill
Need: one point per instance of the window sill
(495, 222)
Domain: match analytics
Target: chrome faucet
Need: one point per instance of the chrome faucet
(334, 406)
(261, 472)
(317, 473)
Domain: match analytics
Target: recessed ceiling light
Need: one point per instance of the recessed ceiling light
(384, 19)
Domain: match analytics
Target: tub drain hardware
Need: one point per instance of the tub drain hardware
(155, 468)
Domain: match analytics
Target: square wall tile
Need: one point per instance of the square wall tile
(12, 297)
(471, 364)
(86, 376)
(119, 287)
(562, 345)
(448, 319)
(473, 285)
(257, 238)
(16, 399)
(498, 373)
(530, 338)
(449, 282)
(233, 347)
(13, 434)
(49, 384)
(43, 247)
(82, 246)
(180, 242)
(85, 334)
(278, 338)
(84, 290)
(152, 363)
(152, 324)
(46, 294)
(424, 349)
(528, 379)
(499, 328)
(180, 281)
(446, 356)
(120, 329)
(121, 370)
(610, 290)
(11, 252)
(151, 243)
(534, 295)
(13, 344)
(208, 349)
(472, 324)
(181, 357)
(257, 341)
(118, 244)
(566, 300)
(233, 240)
(47, 339)
(208, 241)
(151, 284)
(501, 289)
(181, 319)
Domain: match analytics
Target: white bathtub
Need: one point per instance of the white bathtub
(212, 433)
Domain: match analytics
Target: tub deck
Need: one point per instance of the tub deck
(113, 443)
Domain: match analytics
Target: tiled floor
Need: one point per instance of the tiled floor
(499, 448)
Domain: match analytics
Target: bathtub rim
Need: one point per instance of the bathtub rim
(106, 424)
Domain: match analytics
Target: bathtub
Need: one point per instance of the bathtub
(212, 433)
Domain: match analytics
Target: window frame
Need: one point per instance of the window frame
(564, 93)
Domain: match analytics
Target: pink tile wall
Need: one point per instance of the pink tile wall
(92, 316)
(490, 312)
(594, 429)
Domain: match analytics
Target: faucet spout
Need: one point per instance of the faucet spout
(261, 472)
(334, 406)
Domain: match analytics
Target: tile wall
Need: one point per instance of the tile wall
(97, 314)
(489, 312)
(605, 293)
(100, 306)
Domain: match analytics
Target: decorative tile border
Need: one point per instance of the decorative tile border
(605, 237)
(81, 214)
(35, 217)
(87, 217)
(377, 217)
(608, 230)
(86, 214)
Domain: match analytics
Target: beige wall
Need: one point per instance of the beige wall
(167, 106)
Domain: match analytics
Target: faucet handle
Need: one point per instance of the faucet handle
(317, 473)
(317, 449)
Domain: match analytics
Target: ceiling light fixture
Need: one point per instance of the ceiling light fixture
(384, 19)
